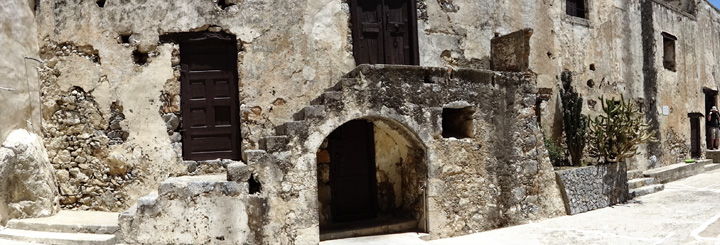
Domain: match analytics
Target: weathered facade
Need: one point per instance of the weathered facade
(130, 93)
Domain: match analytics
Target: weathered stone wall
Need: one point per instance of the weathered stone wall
(593, 187)
(19, 88)
(190, 210)
(499, 176)
(28, 187)
(28, 184)
(128, 105)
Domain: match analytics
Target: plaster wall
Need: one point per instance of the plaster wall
(19, 87)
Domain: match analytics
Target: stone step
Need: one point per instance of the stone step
(646, 190)
(59, 238)
(310, 112)
(67, 221)
(676, 171)
(714, 155)
(634, 174)
(344, 82)
(637, 183)
(711, 166)
(274, 143)
(292, 129)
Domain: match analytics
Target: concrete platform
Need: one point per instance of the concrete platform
(677, 171)
(70, 222)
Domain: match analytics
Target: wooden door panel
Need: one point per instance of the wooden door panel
(209, 100)
(384, 31)
(352, 176)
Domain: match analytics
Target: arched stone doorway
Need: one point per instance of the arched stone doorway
(371, 180)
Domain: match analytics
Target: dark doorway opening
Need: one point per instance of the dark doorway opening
(354, 192)
(385, 32)
(210, 124)
(371, 174)
(710, 101)
(695, 151)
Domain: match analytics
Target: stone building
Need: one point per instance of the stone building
(261, 122)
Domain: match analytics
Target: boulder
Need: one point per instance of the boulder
(28, 187)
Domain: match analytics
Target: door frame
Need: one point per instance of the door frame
(412, 26)
(185, 39)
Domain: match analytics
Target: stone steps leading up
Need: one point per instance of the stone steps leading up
(59, 238)
(65, 227)
(70, 222)
(646, 190)
(640, 182)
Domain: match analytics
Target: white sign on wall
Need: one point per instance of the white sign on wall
(666, 110)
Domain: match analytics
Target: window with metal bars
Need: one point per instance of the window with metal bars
(575, 8)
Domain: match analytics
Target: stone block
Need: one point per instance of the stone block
(238, 172)
(254, 156)
(274, 143)
(293, 129)
(511, 52)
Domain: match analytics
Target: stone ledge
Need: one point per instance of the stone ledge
(676, 171)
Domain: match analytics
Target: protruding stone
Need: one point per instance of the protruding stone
(238, 171)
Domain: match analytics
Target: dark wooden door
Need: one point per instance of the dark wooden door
(384, 32)
(209, 93)
(352, 172)
(695, 136)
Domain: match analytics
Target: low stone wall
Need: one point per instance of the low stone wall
(593, 187)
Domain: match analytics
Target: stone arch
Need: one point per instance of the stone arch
(400, 175)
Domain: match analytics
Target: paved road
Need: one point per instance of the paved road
(686, 212)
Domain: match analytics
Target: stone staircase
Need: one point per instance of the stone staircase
(639, 185)
(66, 227)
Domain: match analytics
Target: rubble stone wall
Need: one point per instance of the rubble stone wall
(593, 187)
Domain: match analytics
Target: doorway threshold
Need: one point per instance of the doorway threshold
(368, 227)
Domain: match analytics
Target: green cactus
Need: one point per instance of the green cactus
(574, 122)
(616, 134)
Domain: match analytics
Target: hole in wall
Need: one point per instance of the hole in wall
(591, 83)
(223, 4)
(100, 3)
(254, 185)
(457, 123)
(592, 67)
(140, 58)
(125, 38)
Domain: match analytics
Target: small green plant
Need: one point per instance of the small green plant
(574, 122)
(616, 134)
(555, 152)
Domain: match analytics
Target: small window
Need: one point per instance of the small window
(575, 8)
(457, 123)
(669, 51)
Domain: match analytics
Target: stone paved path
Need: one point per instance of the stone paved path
(686, 212)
